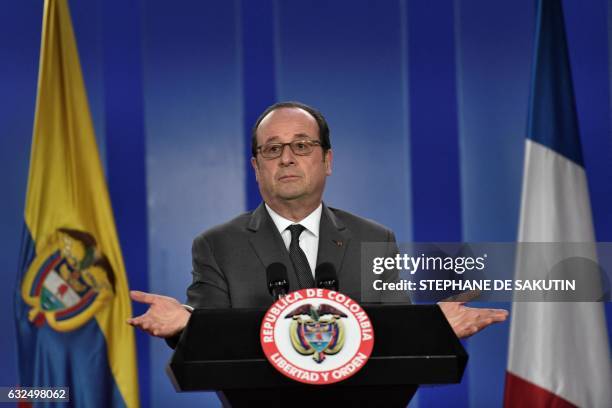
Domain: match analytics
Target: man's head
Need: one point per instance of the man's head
(291, 176)
(318, 117)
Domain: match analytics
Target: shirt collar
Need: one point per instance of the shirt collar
(311, 222)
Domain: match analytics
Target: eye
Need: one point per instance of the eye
(272, 149)
(300, 146)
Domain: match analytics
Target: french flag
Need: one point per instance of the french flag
(559, 354)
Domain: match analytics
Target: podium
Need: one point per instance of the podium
(220, 350)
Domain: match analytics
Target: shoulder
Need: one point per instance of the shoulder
(365, 227)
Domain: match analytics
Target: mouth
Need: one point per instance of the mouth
(288, 178)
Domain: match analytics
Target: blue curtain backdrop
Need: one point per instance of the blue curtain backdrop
(427, 103)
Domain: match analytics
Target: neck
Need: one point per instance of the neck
(294, 211)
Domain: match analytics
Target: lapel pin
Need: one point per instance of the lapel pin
(338, 243)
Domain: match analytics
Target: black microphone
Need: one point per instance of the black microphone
(278, 284)
(326, 277)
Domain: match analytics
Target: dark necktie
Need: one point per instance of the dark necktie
(298, 257)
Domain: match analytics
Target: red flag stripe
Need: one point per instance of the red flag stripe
(521, 393)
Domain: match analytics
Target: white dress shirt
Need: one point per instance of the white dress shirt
(309, 239)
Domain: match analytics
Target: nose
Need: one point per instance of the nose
(287, 157)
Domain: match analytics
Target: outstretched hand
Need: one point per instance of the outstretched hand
(466, 321)
(165, 317)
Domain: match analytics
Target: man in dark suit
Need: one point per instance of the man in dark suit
(292, 159)
(230, 260)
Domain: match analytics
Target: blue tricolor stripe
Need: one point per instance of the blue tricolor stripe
(26, 343)
(552, 118)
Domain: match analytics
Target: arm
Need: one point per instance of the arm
(166, 316)
(209, 288)
(465, 321)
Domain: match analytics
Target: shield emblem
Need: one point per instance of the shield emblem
(318, 335)
(317, 331)
(68, 281)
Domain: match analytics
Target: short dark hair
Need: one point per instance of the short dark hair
(323, 128)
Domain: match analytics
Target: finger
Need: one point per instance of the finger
(487, 312)
(498, 317)
(502, 311)
(137, 318)
(142, 297)
(134, 319)
(138, 325)
(140, 320)
(497, 313)
(490, 318)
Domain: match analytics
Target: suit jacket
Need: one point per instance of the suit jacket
(230, 260)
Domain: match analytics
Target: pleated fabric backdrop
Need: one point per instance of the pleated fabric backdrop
(427, 103)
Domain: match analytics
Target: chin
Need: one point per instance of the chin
(290, 194)
(289, 197)
(290, 191)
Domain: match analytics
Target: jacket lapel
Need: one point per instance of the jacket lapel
(334, 238)
(268, 244)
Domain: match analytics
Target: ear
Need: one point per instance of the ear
(255, 167)
(329, 156)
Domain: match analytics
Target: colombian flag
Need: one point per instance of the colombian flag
(72, 296)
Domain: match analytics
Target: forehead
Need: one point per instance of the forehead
(285, 124)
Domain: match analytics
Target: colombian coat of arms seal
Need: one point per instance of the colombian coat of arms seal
(317, 336)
